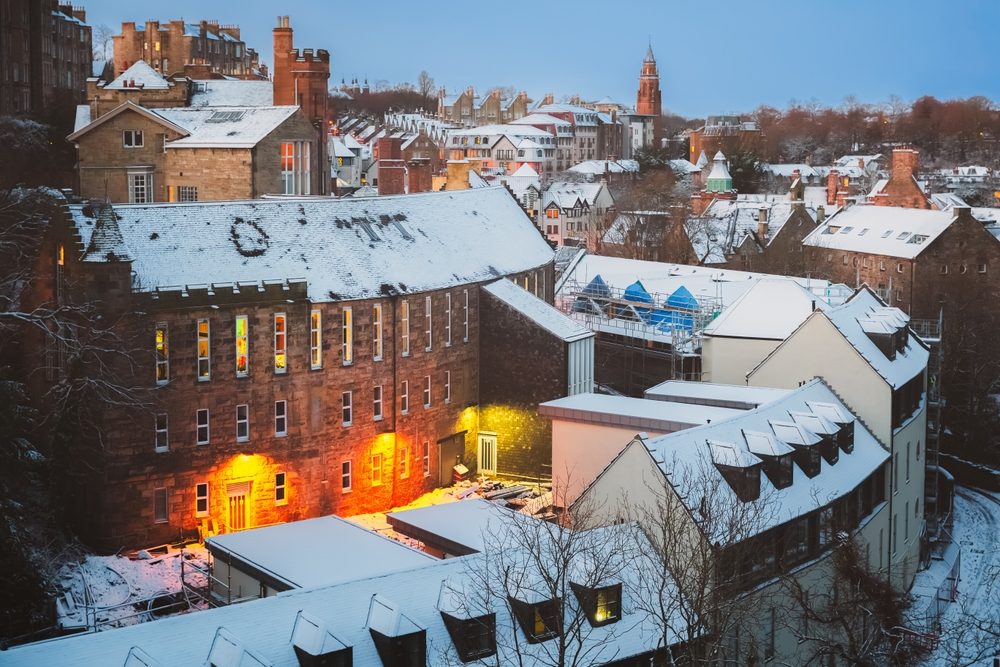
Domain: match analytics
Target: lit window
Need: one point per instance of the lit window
(242, 423)
(376, 469)
(160, 510)
(377, 331)
(427, 391)
(427, 458)
(280, 494)
(280, 418)
(204, 351)
(404, 397)
(315, 340)
(404, 463)
(348, 339)
(346, 477)
(427, 318)
(202, 423)
(405, 312)
(201, 499)
(241, 346)
(162, 359)
(465, 310)
(162, 442)
(295, 164)
(280, 339)
(447, 321)
(348, 412)
(447, 386)
(132, 138)
(377, 403)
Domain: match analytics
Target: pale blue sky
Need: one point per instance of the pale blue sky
(714, 57)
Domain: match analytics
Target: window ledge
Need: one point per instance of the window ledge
(204, 379)
(346, 424)
(378, 419)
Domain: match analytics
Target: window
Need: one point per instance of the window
(376, 469)
(404, 462)
(899, 295)
(982, 268)
(280, 494)
(907, 463)
(201, 420)
(895, 474)
(944, 269)
(280, 418)
(447, 386)
(845, 260)
(280, 339)
(160, 513)
(132, 138)
(427, 318)
(242, 423)
(541, 621)
(204, 350)
(474, 638)
(465, 310)
(918, 450)
(346, 477)
(295, 163)
(162, 442)
(348, 342)
(899, 267)
(769, 622)
(140, 188)
(406, 328)
(377, 332)
(348, 412)
(963, 269)
(427, 458)
(602, 606)
(241, 346)
(377, 404)
(404, 397)
(315, 340)
(162, 358)
(881, 266)
(895, 534)
(186, 192)
(201, 499)
(447, 320)
(906, 522)
(427, 391)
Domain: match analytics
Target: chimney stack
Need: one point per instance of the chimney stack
(391, 170)
(419, 175)
(820, 214)
(458, 175)
(832, 182)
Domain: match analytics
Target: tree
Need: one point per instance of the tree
(102, 40)
(425, 86)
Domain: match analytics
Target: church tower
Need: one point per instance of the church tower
(647, 101)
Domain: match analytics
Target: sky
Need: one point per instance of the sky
(714, 57)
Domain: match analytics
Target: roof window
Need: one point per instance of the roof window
(474, 633)
(887, 234)
(602, 605)
(807, 454)
(315, 646)
(738, 467)
(225, 117)
(776, 455)
(902, 236)
(825, 429)
(834, 413)
(540, 621)
(399, 641)
(863, 231)
(228, 651)
(846, 230)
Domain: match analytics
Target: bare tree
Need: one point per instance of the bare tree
(425, 86)
(103, 42)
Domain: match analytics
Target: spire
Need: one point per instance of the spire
(649, 54)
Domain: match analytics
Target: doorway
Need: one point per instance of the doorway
(238, 494)
(487, 453)
(452, 451)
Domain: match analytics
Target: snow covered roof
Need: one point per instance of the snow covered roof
(82, 117)
(945, 201)
(462, 527)
(538, 311)
(788, 170)
(684, 455)
(633, 414)
(881, 230)
(771, 309)
(684, 167)
(539, 118)
(316, 552)
(566, 195)
(230, 127)
(730, 221)
(139, 75)
(736, 396)
(219, 93)
(97, 67)
(345, 249)
(598, 167)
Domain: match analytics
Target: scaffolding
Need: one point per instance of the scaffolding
(936, 513)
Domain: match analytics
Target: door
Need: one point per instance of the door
(452, 451)
(487, 453)
(238, 494)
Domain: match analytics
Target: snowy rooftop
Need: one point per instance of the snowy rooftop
(633, 414)
(600, 166)
(538, 311)
(317, 552)
(685, 454)
(736, 396)
(788, 170)
(139, 75)
(881, 230)
(345, 249)
(461, 527)
(771, 309)
(566, 195)
(220, 93)
(82, 117)
(231, 127)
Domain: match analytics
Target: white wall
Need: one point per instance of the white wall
(728, 360)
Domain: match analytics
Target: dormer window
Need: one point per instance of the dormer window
(315, 646)
(474, 638)
(825, 429)
(807, 454)
(540, 621)
(776, 455)
(399, 641)
(602, 605)
(738, 467)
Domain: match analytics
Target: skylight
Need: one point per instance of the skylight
(225, 117)
(863, 231)
(887, 234)
(846, 230)
(902, 236)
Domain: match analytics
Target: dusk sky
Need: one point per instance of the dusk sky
(727, 55)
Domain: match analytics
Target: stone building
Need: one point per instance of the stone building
(308, 357)
(468, 109)
(170, 47)
(727, 134)
(47, 52)
(901, 188)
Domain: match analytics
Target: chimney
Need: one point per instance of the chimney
(470, 92)
(419, 174)
(284, 84)
(391, 170)
(861, 163)
(904, 162)
(458, 175)
(831, 187)
(820, 214)
(762, 226)
(548, 99)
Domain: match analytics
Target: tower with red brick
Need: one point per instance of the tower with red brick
(301, 79)
(647, 100)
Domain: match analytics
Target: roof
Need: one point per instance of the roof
(736, 396)
(317, 552)
(600, 166)
(633, 414)
(262, 630)
(230, 127)
(120, 109)
(140, 75)
(881, 230)
(787, 170)
(461, 526)
(82, 117)
(684, 455)
(771, 309)
(538, 311)
(327, 242)
(566, 195)
(221, 93)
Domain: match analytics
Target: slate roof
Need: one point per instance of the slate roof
(142, 75)
(247, 128)
(771, 309)
(219, 93)
(881, 230)
(538, 311)
(417, 243)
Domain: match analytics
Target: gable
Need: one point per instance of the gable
(128, 108)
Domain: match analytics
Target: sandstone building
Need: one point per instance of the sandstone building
(170, 47)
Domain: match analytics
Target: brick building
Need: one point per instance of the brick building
(728, 134)
(307, 357)
(45, 51)
(901, 188)
(172, 46)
